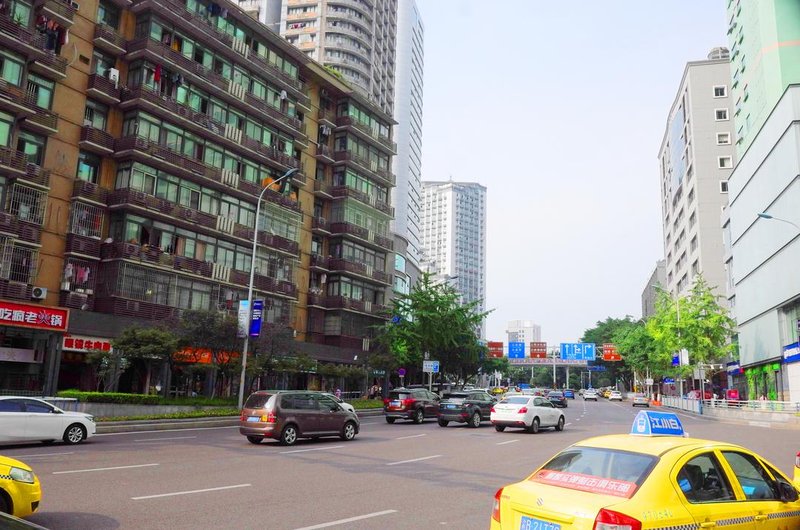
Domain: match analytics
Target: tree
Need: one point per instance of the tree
(153, 345)
(108, 367)
(217, 333)
(431, 319)
(605, 332)
(273, 342)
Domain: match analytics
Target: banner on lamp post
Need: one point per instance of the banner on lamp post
(256, 317)
(244, 311)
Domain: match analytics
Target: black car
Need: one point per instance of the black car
(410, 404)
(557, 398)
(470, 407)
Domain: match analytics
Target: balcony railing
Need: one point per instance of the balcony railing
(36, 175)
(343, 302)
(90, 191)
(324, 152)
(349, 121)
(8, 223)
(267, 239)
(348, 156)
(103, 89)
(63, 12)
(15, 100)
(83, 245)
(165, 207)
(320, 261)
(42, 121)
(50, 65)
(134, 308)
(137, 143)
(155, 256)
(264, 283)
(336, 264)
(13, 160)
(107, 38)
(29, 232)
(195, 69)
(362, 233)
(346, 191)
(96, 140)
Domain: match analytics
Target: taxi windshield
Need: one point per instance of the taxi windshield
(602, 471)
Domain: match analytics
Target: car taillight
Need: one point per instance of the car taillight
(408, 402)
(496, 505)
(797, 460)
(492, 409)
(243, 417)
(386, 401)
(611, 520)
(269, 418)
(523, 410)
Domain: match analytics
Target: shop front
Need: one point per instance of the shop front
(765, 380)
(74, 372)
(30, 347)
(791, 363)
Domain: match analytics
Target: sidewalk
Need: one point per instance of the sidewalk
(756, 417)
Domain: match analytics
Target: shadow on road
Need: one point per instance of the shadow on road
(74, 521)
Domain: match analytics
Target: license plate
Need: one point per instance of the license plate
(529, 523)
(451, 406)
(253, 418)
(394, 404)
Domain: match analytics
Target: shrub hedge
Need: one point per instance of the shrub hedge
(143, 399)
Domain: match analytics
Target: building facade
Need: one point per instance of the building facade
(454, 237)
(133, 153)
(658, 279)
(407, 195)
(765, 250)
(524, 331)
(355, 37)
(696, 158)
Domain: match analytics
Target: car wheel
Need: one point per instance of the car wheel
(74, 434)
(348, 431)
(443, 423)
(534, 428)
(499, 428)
(475, 420)
(254, 439)
(419, 416)
(560, 424)
(5, 503)
(389, 420)
(289, 435)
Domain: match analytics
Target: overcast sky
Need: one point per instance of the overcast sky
(559, 108)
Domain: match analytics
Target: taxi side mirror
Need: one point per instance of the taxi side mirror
(788, 492)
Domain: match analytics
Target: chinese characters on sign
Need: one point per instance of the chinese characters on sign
(539, 350)
(495, 349)
(33, 316)
(610, 353)
(85, 344)
(578, 481)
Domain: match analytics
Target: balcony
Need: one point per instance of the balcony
(13, 99)
(367, 132)
(106, 38)
(264, 283)
(13, 161)
(345, 192)
(157, 52)
(319, 261)
(83, 246)
(50, 65)
(352, 4)
(368, 236)
(320, 225)
(134, 308)
(358, 269)
(155, 256)
(15, 290)
(324, 154)
(35, 175)
(366, 165)
(171, 211)
(157, 155)
(58, 10)
(343, 302)
(322, 189)
(103, 89)
(96, 140)
(74, 300)
(269, 240)
(89, 191)
(42, 121)
(29, 232)
(8, 224)
(326, 116)
(366, 40)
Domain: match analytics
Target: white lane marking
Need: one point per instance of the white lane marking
(189, 492)
(315, 449)
(348, 520)
(764, 424)
(412, 460)
(101, 469)
(41, 454)
(167, 430)
(508, 442)
(170, 438)
(568, 424)
(412, 436)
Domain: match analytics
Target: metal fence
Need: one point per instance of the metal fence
(788, 407)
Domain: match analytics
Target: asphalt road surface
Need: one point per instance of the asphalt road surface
(391, 476)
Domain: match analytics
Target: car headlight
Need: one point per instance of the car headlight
(22, 475)
(90, 418)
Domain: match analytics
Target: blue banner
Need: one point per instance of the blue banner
(791, 353)
(255, 320)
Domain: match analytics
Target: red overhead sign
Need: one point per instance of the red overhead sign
(495, 349)
(33, 316)
(610, 353)
(539, 350)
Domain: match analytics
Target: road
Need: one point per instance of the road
(391, 476)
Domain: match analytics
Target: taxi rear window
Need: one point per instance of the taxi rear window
(601, 471)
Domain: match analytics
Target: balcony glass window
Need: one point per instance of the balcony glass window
(20, 12)
(41, 90)
(6, 126)
(95, 115)
(108, 14)
(102, 63)
(11, 67)
(88, 167)
(31, 145)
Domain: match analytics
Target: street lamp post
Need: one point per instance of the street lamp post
(765, 215)
(286, 175)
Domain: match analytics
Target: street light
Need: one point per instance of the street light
(287, 175)
(765, 215)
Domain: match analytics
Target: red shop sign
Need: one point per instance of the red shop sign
(33, 316)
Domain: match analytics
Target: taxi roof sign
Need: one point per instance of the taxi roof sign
(650, 423)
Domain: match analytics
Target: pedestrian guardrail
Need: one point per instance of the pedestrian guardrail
(789, 407)
(682, 403)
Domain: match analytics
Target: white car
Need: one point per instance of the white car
(345, 405)
(590, 394)
(528, 412)
(27, 419)
(615, 395)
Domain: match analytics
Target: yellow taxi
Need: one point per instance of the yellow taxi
(653, 478)
(20, 491)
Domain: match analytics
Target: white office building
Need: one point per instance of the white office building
(525, 331)
(454, 237)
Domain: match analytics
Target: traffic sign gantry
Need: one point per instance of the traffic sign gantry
(516, 350)
(579, 351)
(430, 367)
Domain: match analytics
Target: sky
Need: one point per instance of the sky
(559, 109)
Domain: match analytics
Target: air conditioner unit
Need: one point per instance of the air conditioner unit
(284, 95)
(87, 123)
(38, 293)
(75, 5)
(113, 76)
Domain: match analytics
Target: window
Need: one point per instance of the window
(720, 91)
(102, 63)
(754, 479)
(702, 480)
(32, 145)
(37, 407)
(6, 125)
(88, 167)
(108, 14)
(11, 67)
(723, 186)
(724, 162)
(95, 115)
(721, 114)
(41, 91)
(86, 220)
(723, 138)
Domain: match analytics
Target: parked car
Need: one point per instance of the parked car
(569, 393)
(640, 399)
(465, 407)
(287, 415)
(590, 395)
(20, 491)
(615, 395)
(414, 404)
(27, 419)
(526, 412)
(344, 404)
(557, 398)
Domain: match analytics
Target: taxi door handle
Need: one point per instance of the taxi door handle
(760, 518)
(708, 524)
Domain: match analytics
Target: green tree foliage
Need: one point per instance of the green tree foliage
(274, 342)
(215, 332)
(153, 345)
(606, 332)
(108, 366)
(432, 320)
(638, 349)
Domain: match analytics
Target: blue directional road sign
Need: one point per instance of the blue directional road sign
(598, 368)
(578, 351)
(430, 366)
(516, 350)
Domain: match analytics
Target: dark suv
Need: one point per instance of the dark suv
(410, 404)
(287, 415)
(465, 407)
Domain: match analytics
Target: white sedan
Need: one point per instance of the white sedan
(615, 395)
(344, 404)
(27, 419)
(528, 412)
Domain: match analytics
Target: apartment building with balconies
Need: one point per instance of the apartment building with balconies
(135, 137)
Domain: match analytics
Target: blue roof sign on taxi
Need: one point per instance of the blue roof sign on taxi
(650, 423)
